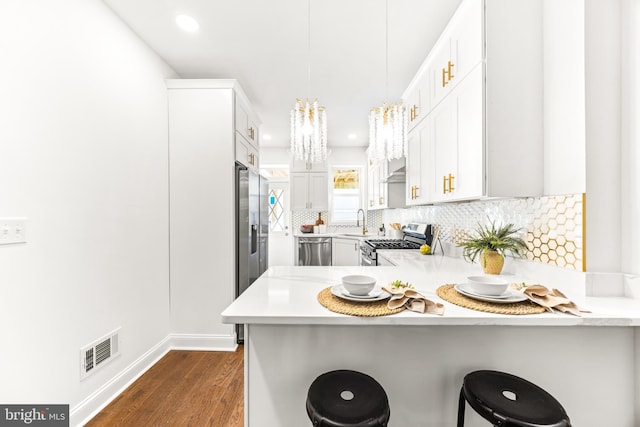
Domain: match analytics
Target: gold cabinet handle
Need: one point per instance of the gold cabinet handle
(371, 203)
(451, 187)
(413, 113)
(413, 192)
(445, 181)
(447, 73)
(381, 200)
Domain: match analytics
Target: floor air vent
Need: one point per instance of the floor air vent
(98, 353)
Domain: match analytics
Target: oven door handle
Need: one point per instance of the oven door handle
(364, 260)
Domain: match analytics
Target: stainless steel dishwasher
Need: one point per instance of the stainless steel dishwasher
(314, 250)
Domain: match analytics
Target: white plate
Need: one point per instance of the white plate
(468, 288)
(341, 292)
(514, 296)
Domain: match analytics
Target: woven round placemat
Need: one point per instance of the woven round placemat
(448, 293)
(364, 309)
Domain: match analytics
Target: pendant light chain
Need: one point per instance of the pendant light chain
(309, 119)
(388, 124)
(386, 48)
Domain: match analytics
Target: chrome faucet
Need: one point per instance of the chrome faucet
(364, 227)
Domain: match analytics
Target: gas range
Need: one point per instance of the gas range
(415, 235)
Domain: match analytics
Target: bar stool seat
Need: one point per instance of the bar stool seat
(346, 398)
(506, 400)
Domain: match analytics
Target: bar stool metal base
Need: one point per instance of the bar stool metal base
(506, 400)
(346, 398)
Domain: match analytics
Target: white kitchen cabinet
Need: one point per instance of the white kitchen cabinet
(457, 52)
(309, 190)
(381, 193)
(457, 148)
(246, 153)
(245, 122)
(485, 127)
(345, 251)
(298, 165)
(419, 173)
(202, 150)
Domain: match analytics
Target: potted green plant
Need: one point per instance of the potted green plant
(491, 243)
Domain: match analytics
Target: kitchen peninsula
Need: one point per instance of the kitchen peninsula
(586, 362)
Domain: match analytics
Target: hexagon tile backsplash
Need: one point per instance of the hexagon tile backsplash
(552, 226)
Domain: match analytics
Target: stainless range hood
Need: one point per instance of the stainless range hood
(398, 175)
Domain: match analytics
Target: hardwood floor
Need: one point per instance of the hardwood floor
(185, 388)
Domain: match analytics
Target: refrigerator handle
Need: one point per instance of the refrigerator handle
(254, 238)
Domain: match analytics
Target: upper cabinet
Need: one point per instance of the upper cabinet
(309, 190)
(246, 124)
(298, 165)
(386, 184)
(246, 134)
(480, 134)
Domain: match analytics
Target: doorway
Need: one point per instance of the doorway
(280, 233)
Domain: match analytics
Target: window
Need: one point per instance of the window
(276, 210)
(346, 195)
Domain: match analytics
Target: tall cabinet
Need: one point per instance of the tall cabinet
(478, 131)
(210, 123)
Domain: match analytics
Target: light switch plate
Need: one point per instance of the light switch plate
(13, 230)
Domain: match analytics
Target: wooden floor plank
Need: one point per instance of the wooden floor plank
(184, 388)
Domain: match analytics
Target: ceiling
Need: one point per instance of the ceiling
(265, 45)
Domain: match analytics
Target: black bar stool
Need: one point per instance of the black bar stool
(347, 399)
(506, 400)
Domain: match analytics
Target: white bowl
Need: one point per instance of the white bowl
(488, 285)
(358, 284)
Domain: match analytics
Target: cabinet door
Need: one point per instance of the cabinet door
(318, 191)
(458, 142)
(466, 39)
(245, 153)
(445, 150)
(419, 164)
(301, 165)
(469, 124)
(441, 71)
(382, 172)
(252, 132)
(370, 184)
(413, 106)
(414, 184)
(299, 186)
(345, 251)
(241, 118)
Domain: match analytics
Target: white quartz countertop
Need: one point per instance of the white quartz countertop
(288, 295)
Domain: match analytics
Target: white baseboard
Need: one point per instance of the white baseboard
(96, 401)
(203, 342)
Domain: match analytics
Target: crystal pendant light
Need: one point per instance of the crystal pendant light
(388, 124)
(309, 120)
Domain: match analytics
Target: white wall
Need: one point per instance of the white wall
(564, 97)
(83, 155)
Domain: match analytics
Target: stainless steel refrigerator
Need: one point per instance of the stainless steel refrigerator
(252, 231)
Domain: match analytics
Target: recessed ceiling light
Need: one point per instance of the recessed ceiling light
(352, 136)
(187, 23)
(266, 137)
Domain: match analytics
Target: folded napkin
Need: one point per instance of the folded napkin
(412, 300)
(550, 299)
